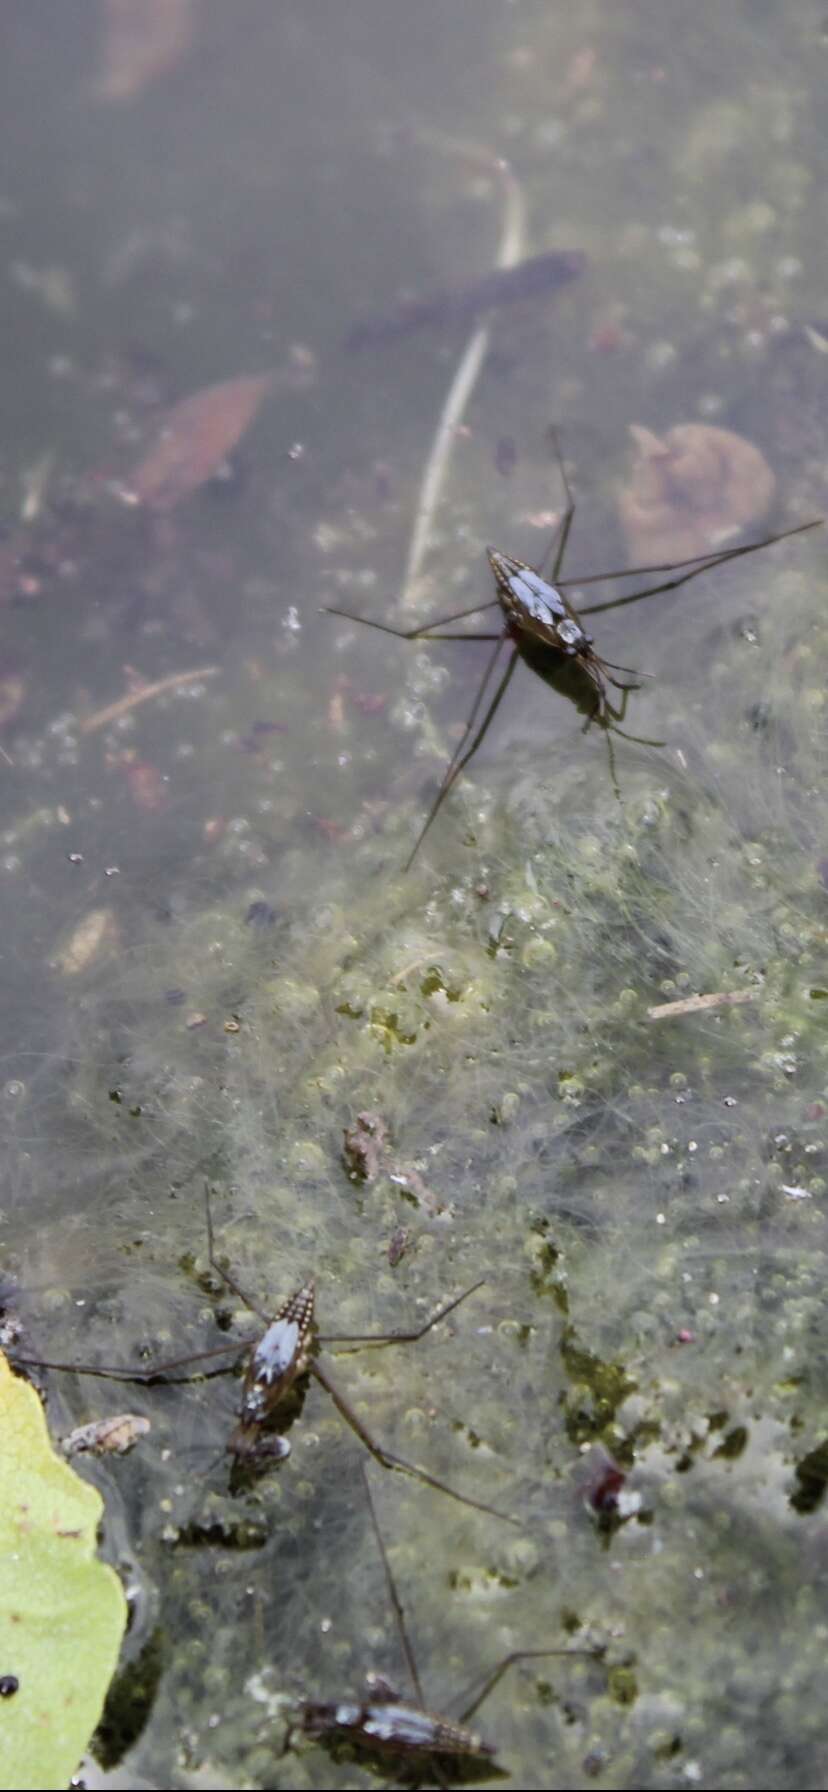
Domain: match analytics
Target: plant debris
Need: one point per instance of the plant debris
(106, 1437)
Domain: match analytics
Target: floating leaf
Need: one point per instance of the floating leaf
(62, 1612)
(194, 439)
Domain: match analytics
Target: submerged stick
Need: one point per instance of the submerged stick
(720, 998)
(144, 694)
(512, 249)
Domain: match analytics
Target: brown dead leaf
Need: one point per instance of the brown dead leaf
(194, 438)
(366, 1147)
(412, 1183)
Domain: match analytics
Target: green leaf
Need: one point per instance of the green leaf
(62, 1612)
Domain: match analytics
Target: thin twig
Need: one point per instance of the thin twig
(144, 694)
(720, 998)
(511, 250)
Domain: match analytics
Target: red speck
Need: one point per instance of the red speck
(815, 1110)
(685, 1336)
(607, 338)
(602, 1493)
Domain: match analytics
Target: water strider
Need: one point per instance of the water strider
(542, 627)
(384, 1725)
(277, 1363)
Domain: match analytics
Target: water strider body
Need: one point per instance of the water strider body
(278, 1361)
(548, 634)
(275, 1364)
(542, 627)
(383, 1723)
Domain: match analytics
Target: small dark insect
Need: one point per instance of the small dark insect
(458, 304)
(383, 1724)
(542, 627)
(260, 914)
(9, 1684)
(505, 456)
(397, 1245)
(277, 1363)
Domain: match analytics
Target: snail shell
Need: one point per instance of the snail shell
(694, 489)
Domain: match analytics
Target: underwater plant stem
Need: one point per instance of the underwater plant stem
(512, 249)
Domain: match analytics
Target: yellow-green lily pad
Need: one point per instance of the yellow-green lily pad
(62, 1612)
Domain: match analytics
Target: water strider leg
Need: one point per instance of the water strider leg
(470, 722)
(381, 1339)
(496, 1673)
(456, 766)
(616, 714)
(565, 524)
(608, 717)
(616, 788)
(672, 585)
(461, 635)
(388, 1460)
(155, 1372)
(396, 1606)
(232, 1284)
(714, 557)
(393, 1595)
(633, 672)
(424, 628)
(639, 740)
(161, 1371)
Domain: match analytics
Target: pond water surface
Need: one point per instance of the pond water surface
(214, 962)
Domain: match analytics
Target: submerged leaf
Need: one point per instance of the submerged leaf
(194, 438)
(62, 1612)
(691, 491)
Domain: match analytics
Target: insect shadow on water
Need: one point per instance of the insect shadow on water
(383, 1726)
(545, 630)
(275, 1379)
